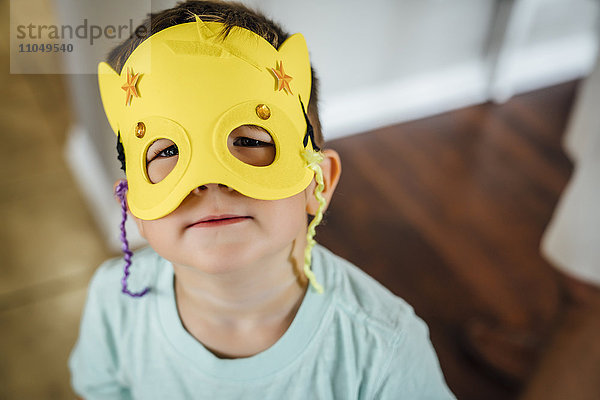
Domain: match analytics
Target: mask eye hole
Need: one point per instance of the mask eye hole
(161, 159)
(252, 145)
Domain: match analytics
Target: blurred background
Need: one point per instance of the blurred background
(459, 124)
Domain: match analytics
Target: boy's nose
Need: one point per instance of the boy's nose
(211, 186)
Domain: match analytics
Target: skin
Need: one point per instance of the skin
(238, 281)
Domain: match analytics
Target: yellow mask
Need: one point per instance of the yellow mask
(189, 85)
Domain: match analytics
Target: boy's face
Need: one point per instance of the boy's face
(216, 229)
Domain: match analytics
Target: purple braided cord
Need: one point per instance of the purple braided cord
(121, 192)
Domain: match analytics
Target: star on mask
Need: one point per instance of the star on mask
(130, 87)
(283, 80)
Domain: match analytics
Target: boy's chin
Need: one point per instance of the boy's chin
(224, 259)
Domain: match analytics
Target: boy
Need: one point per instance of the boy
(219, 133)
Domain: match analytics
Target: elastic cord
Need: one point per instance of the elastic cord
(314, 158)
(121, 192)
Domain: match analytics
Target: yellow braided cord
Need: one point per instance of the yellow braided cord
(314, 158)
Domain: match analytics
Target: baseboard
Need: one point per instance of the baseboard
(554, 62)
(366, 109)
(97, 187)
(438, 91)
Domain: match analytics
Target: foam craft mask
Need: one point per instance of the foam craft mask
(188, 84)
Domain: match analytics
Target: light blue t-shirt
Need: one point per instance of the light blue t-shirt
(355, 341)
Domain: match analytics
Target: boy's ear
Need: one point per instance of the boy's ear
(115, 190)
(332, 169)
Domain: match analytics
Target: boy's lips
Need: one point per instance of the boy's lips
(218, 220)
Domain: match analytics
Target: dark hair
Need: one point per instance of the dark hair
(230, 14)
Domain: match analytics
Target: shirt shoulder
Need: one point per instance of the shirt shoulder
(105, 294)
(382, 332)
(110, 319)
(144, 270)
(361, 296)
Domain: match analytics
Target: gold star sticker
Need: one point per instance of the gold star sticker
(130, 87)
(283, 80)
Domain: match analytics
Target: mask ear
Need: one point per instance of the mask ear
(111, 94)
(297, 64)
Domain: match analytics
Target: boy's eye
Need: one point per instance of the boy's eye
(162, 148)
(169, 151)
(252, 145)
(161, 158)
(249, 142)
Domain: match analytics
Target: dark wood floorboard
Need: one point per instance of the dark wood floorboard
(448, 213)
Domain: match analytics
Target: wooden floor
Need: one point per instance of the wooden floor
(448, 213)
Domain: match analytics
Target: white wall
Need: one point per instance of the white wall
(557, 19)
(552, 41)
